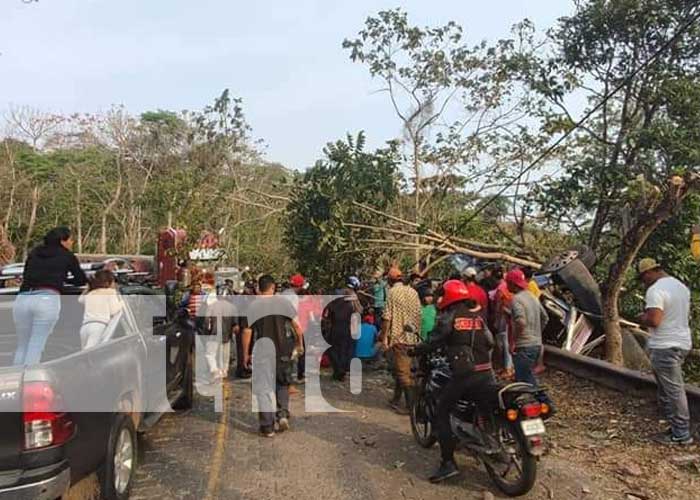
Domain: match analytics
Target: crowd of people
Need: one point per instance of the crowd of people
(387, 319)
(395, 314)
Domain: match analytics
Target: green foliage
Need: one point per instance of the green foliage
(669, 245)
(324, 248)
(134, 175)
(647, 129)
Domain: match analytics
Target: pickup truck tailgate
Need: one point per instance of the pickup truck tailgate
(11, 431)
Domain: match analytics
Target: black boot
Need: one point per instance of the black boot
(396, 398)
(410, 393)
(397, 393)
(400, 408)
(446, 470)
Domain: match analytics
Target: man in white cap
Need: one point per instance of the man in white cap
(475, 290)
(666, 316)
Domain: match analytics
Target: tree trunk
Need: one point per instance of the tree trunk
(139, 235)
(647, 222)
(613, 331)
(32, 222)
(78, 216)
(7, 251)
(103, 234)
(108, 209)
(13, 188)
(632, 243)
(417, 173)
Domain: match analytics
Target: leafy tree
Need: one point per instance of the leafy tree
(614, 178)
(454, 100)
(116, 179)
(323, 246)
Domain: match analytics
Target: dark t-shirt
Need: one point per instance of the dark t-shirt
(272, 318)
(338, 314)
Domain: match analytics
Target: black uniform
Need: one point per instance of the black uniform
(469, 344)
(337, 318)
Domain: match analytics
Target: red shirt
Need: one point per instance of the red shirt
(309, 310)
(479, 295)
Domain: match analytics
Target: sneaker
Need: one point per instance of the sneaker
(669, 439)
(268, 433)
(301, 380)
(283, 424)
(445, 471)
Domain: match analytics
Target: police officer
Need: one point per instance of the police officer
(461, 329)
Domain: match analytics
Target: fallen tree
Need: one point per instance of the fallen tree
(436, 243)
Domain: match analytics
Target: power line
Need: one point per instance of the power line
(578, 124)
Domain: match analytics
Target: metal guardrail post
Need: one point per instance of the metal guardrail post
(614, 377)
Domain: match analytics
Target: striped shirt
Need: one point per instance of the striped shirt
(402, 308)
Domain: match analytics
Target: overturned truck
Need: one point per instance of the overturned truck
(572, 298)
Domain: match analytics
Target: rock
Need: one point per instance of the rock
(371, 442)
(398, 464)
(685, 460)
(487, 495)
(586, 490)
(631, 470)
(599, 435)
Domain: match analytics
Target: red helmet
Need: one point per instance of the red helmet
(453, 291)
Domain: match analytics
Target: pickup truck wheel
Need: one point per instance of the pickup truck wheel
(186, 401)
(117, 473)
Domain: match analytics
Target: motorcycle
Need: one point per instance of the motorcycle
(508, 440)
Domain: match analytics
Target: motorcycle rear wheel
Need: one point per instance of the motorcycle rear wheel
(421, 421)
(519, 460)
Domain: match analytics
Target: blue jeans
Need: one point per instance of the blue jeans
(35, 315)
(673, 403)
(525, 359)
(502, 341)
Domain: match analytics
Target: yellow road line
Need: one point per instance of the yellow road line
(219, 448)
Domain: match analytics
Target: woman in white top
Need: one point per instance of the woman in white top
(102, 302)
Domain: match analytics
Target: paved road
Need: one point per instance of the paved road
(599, 451)
(365, 453)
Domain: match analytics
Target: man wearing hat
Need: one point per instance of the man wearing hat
(475, 290)
(529, 319)
(667, 306)
(400, 331)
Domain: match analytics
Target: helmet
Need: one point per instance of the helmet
(354, 282)
(453, 291)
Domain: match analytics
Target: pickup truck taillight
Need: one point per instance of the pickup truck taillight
(44, 422)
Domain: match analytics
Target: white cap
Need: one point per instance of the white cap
(470, 272)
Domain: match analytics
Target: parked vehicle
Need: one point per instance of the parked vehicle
(45, 446)
(508, 441)
(124, 272)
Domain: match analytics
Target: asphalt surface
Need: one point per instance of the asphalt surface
(597, 449)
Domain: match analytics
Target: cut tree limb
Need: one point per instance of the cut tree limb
(455, 245)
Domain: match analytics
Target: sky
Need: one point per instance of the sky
(284, 59)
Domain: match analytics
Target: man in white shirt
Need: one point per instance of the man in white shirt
(666, 316)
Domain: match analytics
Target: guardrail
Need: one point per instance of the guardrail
(614, 377)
